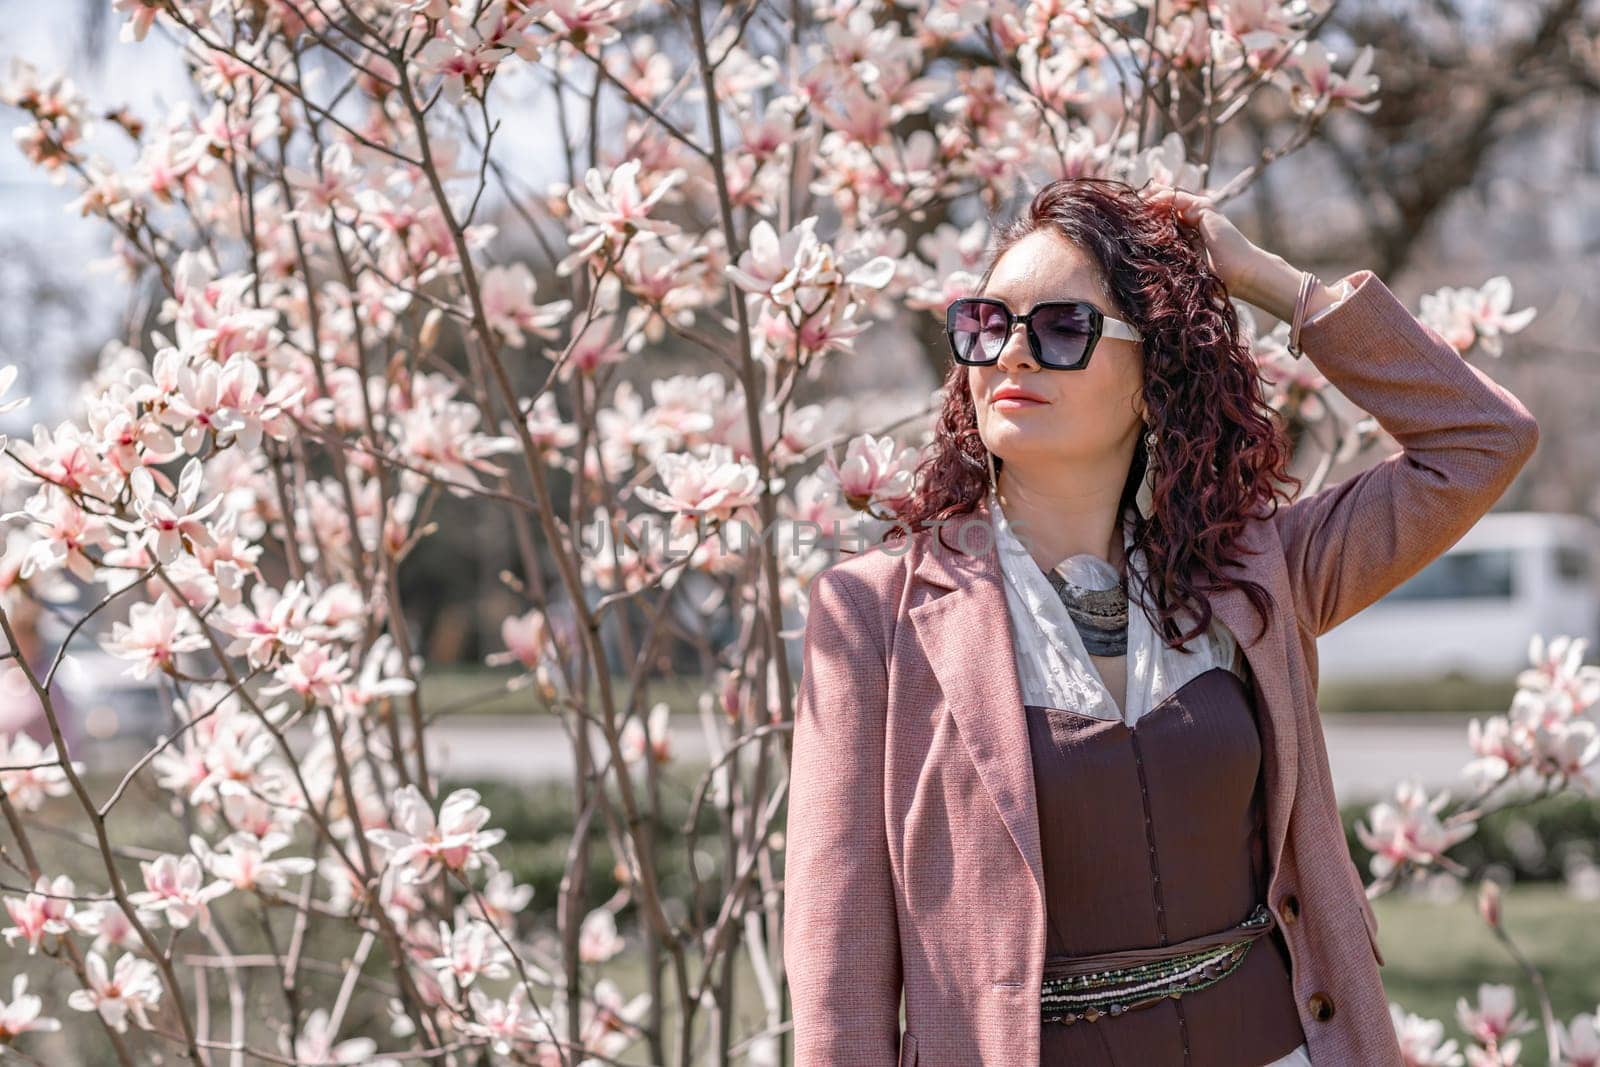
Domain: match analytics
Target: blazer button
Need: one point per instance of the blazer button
(1321, 1006)
(1290, 906)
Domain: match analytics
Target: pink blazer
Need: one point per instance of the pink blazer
(912, 858)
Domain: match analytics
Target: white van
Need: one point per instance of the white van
(1469, 613)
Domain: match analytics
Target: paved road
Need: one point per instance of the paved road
(1368, 753)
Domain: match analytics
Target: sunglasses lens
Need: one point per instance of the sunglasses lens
(977, 330)
(1063, 331)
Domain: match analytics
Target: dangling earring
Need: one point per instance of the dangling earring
(1144, 499)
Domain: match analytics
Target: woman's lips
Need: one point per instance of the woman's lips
(1015, 403)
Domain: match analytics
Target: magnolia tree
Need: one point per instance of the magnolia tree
(347, 346)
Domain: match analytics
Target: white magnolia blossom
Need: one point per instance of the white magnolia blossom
(874, 471)
(420, 843)
(23, 1013)
(48, 909)
(30, 773)
(130, 989)
(1422, 1041)
(713, 487)
(175, 888)
(1408, 829)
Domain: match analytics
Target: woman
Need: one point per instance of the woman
(1058, 775)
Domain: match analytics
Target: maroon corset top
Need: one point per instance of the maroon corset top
(1154, 834)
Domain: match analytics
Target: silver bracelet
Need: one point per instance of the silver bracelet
(1302, 299)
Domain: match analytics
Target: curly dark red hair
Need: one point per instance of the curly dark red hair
(1220, 454)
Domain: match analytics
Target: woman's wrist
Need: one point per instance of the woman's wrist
(1275, 284)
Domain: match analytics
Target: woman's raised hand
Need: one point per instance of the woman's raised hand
(1233, 256)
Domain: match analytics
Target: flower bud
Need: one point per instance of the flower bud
(1489, 901)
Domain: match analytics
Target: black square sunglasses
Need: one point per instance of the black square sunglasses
(1061, 333)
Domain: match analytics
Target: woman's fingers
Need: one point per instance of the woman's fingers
(1189, 206)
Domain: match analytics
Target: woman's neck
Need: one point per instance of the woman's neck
(1054, 523)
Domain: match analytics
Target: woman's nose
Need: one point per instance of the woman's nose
(1015, 354)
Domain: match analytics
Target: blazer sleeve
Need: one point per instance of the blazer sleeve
(841, 933)
(1462, 437)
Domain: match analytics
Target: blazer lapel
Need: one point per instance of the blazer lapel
(966, 635)
(965, 632)
(1269, 663)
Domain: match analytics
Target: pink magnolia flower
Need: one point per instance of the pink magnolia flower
(1465, 317)
(507, 293)
(141, 16)
(153, 637)
(28, 789)
(132, 988)
(225, 401)
(463, 59)
(598, 939)
(596, 344)
(241, 860)
(506, 1023)
(500, 901)
(329, 188)
(527, 639)
(381, 678)
(69, 531)
(1320, 88)
(442, 436)
(613, 211)
(170, 524)
(1506, 1055)
(1558, 676)
(714, 485)
(1408, 830)
(872, 472)
(317, 1042)
(173, 887)
(274, 623)
(1422, 1041)
(549, 431)
(1499, 748)
(1494, 1018)
(22, 1014)
(653, 737)
(588, 21)
(8, 375)
(109, 924)
(610, 1022)
(799, 270)
(1580, 1041)
(46, 910)
(420, 843)
(1569, 751)
(314, 671)
(469, 951)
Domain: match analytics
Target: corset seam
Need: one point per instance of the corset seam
(1155, 873)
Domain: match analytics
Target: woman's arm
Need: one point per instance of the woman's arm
(1463, 438)
(841, 943)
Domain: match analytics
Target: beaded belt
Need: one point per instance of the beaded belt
(1113, 983)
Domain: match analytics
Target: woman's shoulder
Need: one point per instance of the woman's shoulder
(875, 570)
(874, 576)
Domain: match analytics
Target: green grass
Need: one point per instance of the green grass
(1437, 952)
(470, 689)
(1446, 695)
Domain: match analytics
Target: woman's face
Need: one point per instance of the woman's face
(1072, 416)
